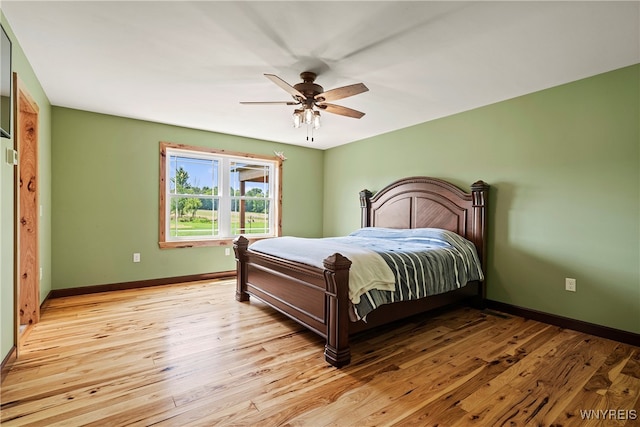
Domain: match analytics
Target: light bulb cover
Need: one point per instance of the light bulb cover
(308, 116)
(297, 118)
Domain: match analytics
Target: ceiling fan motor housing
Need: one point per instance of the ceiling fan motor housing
(308, 88)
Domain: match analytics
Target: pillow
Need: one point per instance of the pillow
(428, 236)
(404, 233)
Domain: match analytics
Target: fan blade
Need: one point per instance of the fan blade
(343, 111)
(270, 102)
(341, 92)
(286, 86)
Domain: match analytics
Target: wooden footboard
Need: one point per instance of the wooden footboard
(313, 297)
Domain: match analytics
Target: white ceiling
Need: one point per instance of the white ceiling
(191, 63)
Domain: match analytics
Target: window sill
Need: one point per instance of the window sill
(205, 243)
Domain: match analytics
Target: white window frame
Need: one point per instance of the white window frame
(226, 158)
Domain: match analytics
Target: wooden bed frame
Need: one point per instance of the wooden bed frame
(318, 298)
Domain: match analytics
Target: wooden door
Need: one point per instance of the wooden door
(28, 265)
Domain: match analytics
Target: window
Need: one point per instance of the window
(208, 196)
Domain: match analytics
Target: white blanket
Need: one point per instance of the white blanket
(368, 269)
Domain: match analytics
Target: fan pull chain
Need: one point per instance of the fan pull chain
(309, 126)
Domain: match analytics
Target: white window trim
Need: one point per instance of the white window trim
(275, 185)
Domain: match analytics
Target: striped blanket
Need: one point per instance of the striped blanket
(425, 262)
(419, 262)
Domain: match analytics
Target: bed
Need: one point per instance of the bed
(317, 296)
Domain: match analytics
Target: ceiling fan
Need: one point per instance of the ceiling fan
(312, 98)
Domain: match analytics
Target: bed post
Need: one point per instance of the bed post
(336, 350)
(479, 193)
(240, 245)
(365, 208)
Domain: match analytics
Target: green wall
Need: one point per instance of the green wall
(564, 167)
(105, 195)
(21, 66)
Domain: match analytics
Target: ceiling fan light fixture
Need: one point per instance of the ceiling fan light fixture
(297, 118)
(308, 116)
(311, 97)
(316, 119)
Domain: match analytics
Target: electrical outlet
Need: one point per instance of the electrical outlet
(136, 257)
(227, 251)
(570, 284)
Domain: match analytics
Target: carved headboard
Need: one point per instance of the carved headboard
(419, 202)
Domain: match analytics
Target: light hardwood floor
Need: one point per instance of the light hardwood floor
(189, 354)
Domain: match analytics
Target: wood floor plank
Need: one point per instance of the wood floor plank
(559, 372)
(609, 370)
(540, 346)
(425, 393)
(190, 355)
(632, 367)
(623, 393)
